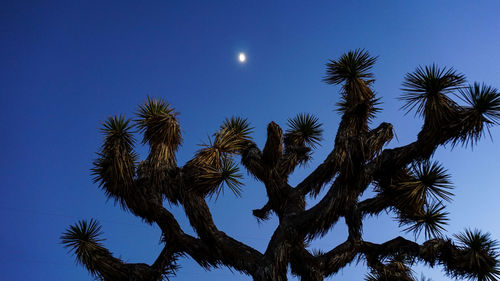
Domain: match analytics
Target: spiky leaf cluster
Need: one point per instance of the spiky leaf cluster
(353, 69)
(303, 129)
(371, 107)
(482, 112)
(240, 127)
(114, 169)
(395, 270)
(227, 174)
(478, 258)
(349, 67)
(170, 268)
(157, 120)
(432, 222)
(420, 191)
(214, 161)
(429, 180)
(427, 89)
(83, 239)
(82, 233)
(424, 183)
(117, 132)
(224, 144)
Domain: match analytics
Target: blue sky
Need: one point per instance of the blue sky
(68, 65)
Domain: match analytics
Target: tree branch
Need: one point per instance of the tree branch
(251, 158)
(273, 150)
(236, 254)
(337, 258)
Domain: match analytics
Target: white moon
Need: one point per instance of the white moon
(242, 57)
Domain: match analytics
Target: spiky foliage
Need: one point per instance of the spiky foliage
(83, 239)
(213, 162)
(432, 179)
(482, 113)
(432, 222)
(394, 267)
(391, 272)
(227, 174)
(352, 69)
(225, 143)
(349, 67)
(161, 130)
(373, 276)
(304, 129)
(238, 126)
(478, 256)
(117, 134)
(428, 180)
(157, 121)
(427, 89)
(372, 107)
(114, 169)
(169, 268)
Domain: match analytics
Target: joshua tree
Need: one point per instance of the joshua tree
(404, 181)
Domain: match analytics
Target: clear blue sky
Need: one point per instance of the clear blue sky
(68, 65)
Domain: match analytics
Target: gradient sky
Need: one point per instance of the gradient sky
(68, 65)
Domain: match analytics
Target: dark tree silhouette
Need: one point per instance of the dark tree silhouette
(404, 181)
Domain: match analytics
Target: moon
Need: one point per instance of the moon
(242, 57)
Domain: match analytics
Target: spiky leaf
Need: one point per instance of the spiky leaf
(157, 120)
(304, 129)
(372, 105)
(391, 272)
(239, 126)
(430, 180)
(214, 179)
(76, 236)
(117, 133)
(432, 222)
(483, 111)
(485, 100)
(225, 143)
(83, 239)
(351, 66)
(114, 169)
(478, 258)
(426, 90)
